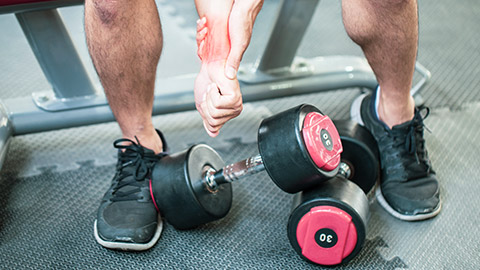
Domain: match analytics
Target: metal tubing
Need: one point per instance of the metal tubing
(56, 53)
(5, 133)
(292, 22)
(426, 76)
(35, 6)
(236, 171)
(26, 117)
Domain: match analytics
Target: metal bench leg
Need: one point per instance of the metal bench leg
(279, 62)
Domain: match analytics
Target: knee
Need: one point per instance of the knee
(364, 18)
(105, 10)
(391, 5)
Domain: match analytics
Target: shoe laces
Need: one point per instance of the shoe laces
(415, 134)
(402, 143)
(128, 182)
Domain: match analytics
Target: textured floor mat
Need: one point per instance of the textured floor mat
(51, 183)
(47, 217)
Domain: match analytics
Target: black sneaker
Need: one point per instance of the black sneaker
(409, 189)
(127, 218)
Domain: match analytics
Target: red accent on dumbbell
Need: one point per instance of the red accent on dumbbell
(314, 127)
(326, 217)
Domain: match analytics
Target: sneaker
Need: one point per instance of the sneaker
(409, 189)
(127, 218)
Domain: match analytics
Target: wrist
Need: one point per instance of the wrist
(217, 40)
(251, 8)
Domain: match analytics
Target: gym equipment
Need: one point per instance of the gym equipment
(328, 223)
(74, 100)
(179, 190)
(299, 148)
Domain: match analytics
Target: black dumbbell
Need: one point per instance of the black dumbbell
(328, 223)
(299, 148)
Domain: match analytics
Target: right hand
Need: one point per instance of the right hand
(240, 27)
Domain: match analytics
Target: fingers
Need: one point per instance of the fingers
(218, 109)
(201, 23)
(210, 133)
(200, 50)
(201, 35)
(202, 32)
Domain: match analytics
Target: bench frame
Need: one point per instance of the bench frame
(74, 101)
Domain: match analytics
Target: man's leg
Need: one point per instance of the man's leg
(125, 42)
(387, 31)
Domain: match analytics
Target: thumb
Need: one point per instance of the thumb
(233, 62)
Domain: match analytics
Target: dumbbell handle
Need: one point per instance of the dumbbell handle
(345, 170)
(249, 166)
(234, 172)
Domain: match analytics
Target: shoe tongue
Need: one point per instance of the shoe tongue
(403, 132)
(132, 150)
(402, 127)
(406, 125)
(135, 160)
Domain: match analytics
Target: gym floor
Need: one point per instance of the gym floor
(52, 182)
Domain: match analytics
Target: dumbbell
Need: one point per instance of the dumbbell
(299, 148)
(328, 223)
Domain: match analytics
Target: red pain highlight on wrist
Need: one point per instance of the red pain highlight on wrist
(217, 41)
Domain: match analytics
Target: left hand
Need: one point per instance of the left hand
(217, 98)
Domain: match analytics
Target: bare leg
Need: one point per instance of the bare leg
(125, 42)
(387, 31)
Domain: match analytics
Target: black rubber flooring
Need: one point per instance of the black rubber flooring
(52, 182)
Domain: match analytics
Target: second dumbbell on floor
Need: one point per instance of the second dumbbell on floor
(328, 223)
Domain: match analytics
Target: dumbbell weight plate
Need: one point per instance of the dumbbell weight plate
(286, 157)
(328, 223)
(360, 153)
(180, 192)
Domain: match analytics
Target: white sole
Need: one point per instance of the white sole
(130, 246)
(381, 200)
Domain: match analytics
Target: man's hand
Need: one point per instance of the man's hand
(240, 26)
(223, 34)
(217, 98)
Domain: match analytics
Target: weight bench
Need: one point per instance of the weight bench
(73, 100)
